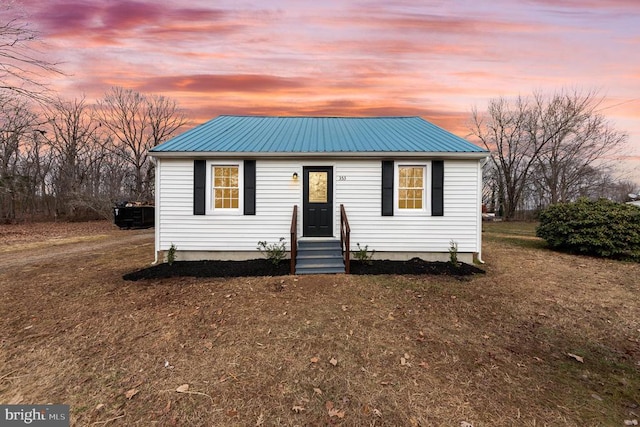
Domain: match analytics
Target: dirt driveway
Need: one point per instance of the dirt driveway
(48, 242)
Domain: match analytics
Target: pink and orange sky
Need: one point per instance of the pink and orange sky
(434, 58)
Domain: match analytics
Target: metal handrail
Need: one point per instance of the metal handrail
(294, 238)
(345, 236)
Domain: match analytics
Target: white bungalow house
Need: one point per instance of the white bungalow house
(399, 185)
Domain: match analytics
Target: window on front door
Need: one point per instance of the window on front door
(318, 187)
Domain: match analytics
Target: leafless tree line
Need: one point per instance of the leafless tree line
(64, 157)
(548, 149)
(70, 159)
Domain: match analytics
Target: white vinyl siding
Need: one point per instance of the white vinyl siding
(276, 195)
(361, 195)
(357, 185)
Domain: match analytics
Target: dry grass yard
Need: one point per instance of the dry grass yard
(543, 339)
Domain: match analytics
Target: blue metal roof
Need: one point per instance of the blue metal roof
(316, 135)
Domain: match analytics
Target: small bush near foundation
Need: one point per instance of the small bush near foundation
(274, 252)
(171, 254)
(453, 253)
(602, 228)
(363, 254)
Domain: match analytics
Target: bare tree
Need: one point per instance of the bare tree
(567, 165)
(137, 123)
(22, 67)
(39, 163)
(107, 176)
(16, 128)
(522, 134)
(625, 190)
(503, 130)
(75, 147)
(490, 187)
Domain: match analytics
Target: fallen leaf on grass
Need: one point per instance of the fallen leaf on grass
(333, 361)
(317, 390)
(631, 422)
(129, 394)
(297, 409)
(333, 412)
(465, 424)
(315, 360)
(575, 356)
(377, 413)
(208, 345)
(260, 420)
(184, 388)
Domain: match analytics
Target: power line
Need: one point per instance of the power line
(619, 104)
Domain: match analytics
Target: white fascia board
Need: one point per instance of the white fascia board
(476, 155)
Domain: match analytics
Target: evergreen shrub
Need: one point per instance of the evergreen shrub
(593, 227)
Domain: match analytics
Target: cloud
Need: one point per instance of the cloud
(114, 21)
(590, 4)
(213, 83)
(382, 17)
(204, 108)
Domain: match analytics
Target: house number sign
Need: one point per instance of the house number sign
(342, 178)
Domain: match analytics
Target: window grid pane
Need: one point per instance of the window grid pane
(226, 193)
(410, 187)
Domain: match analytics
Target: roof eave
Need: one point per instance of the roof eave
(476, 155)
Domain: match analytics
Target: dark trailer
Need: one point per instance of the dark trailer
(133, 216)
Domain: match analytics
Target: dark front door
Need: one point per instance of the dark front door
(317, 206)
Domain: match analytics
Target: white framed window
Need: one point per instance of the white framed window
(224, 188)
(411, 192)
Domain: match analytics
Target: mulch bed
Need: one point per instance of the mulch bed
(263, 267)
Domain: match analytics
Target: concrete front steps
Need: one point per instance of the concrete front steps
(319, 256)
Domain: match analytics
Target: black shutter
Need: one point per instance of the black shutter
(437, 188)
(199, 186)
(387, 188)
(249, 187)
